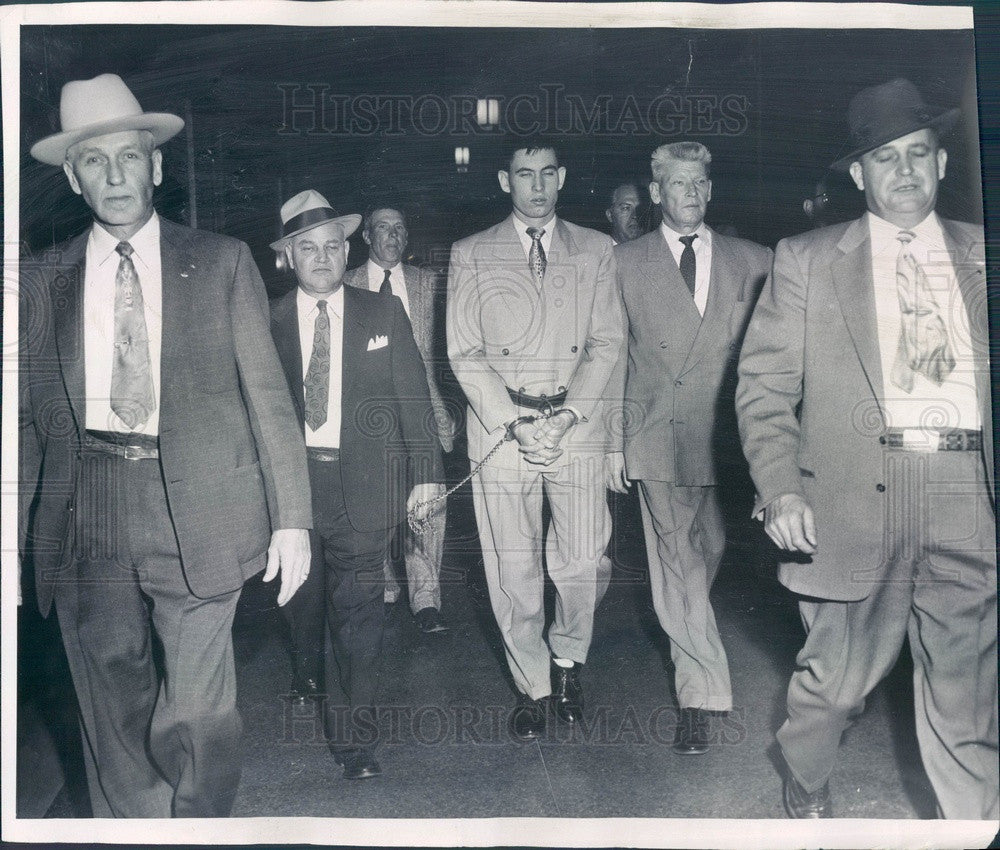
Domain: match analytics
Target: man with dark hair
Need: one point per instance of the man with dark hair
(864, 407)
(534, 331)
(385, 233)
(158, 425)
(623, 213)
(688, 292)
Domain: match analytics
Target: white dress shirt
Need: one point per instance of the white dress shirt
(702, 247)
(99, 320)
(522, 234)
(954, 403)
(376, 274)
(328, 434)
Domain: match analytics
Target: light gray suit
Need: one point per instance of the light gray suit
(906, 540)
(680, 435)
(506, 332)
(422, 553)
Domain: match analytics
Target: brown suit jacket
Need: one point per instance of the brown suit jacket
(233, 465)
(680, 376)
(813, 342)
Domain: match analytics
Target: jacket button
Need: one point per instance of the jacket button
(505, 352)
(678, 383)
(520, 389)
(561, 390)
(574, 349)
(663, 345)
(880, 488)
(882, 440)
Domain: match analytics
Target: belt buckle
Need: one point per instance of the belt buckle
(919, 440)
(135, 453)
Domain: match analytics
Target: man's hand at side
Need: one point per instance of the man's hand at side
(289, 554)
(789, 522)
(424, 493)
(614, 472)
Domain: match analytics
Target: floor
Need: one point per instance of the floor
(446, 698)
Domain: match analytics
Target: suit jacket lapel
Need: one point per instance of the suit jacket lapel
(725, 279)
(855, 288)
(67, 299)
(355, 346)
(512, 264)
(285, 320)
(670, 295)
(178, 269)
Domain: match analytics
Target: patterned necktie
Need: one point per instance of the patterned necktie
(536, 255)
(317, 379)
(923, 337)
(386, 287)
(132, 397)
(687, 264)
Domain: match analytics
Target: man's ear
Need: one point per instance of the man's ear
(504, 179)
(347, 250)
(71, 176)
(942, 160)
(157, 160)
(858, 175)
(366, 236)
(654, 193)
(288, 257)
(607, 215)
(562, 175)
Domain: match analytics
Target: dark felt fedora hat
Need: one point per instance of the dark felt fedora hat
(879, 114)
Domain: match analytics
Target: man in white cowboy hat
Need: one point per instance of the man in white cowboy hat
(155, 431)
(864, 409)
(360, 392)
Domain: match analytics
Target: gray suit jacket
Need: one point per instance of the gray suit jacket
(681, 367)
(421, 292)
(232, 453)
(813, 342)
(503, 331)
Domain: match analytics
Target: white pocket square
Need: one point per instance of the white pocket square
(377, 342)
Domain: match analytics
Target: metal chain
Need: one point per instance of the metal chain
(420, 525)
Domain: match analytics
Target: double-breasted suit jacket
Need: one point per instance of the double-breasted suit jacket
(231, 473)
(505, 332)
(421, 291)
(387, 428)
(680, 375)
(813, 342)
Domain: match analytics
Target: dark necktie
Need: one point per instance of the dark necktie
(536, 255)
(923, 337)
(687, 261)
(317, 380)
(386, 287)
(132, 397)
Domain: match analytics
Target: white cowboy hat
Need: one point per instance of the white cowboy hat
(307, 210)
(96, 107)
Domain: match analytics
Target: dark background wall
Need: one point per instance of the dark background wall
(369, 114)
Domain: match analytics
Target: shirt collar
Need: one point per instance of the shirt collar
(145, 242)
(522, 229)
(884, 233)
(375, 269)
(673, 238)
(306, 303)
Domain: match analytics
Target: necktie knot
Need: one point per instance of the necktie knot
(905, 237)
(688, 241)
(536, 233)
(124, 249)
(536, 254)
(386, 287)
(321, 306)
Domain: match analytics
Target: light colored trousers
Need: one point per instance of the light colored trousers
(508, 505)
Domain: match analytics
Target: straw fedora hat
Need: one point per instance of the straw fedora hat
(96, 107)
(307, 210)
(879, 114)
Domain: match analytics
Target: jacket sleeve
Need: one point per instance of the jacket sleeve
(483, 387)
(279, 440)
(771, 377)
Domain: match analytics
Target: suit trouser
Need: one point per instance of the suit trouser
(508, 505)
(685, 541)
(422, 554)
(157, 745)
(940, 591)
(351, 561)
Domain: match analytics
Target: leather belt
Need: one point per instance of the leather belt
(933, 439)
(322, 455)
(541, 403)
(128, 446)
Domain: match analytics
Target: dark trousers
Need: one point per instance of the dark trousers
(350, 563)
(160, 741)
(940, 592)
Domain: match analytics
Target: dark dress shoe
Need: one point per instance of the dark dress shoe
(303, 689)
(567, 693)
(429, 621)
(691, 737)
(527, 721)
(358, 763)
(800, 803)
